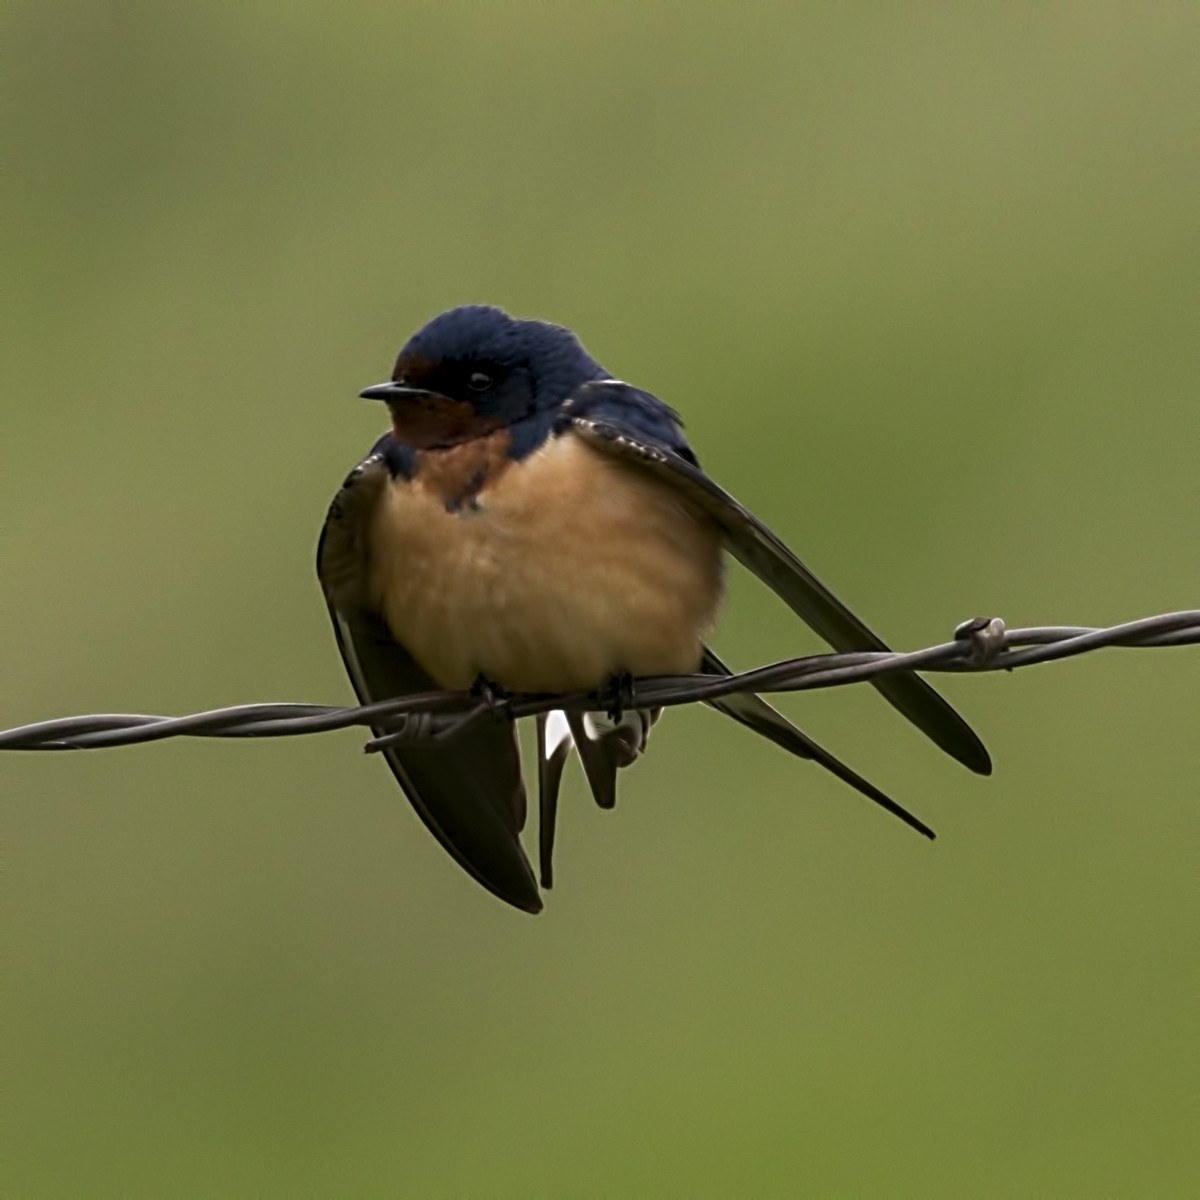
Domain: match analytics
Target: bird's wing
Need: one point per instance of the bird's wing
(468, 792)
(635, 426)
(755, 713)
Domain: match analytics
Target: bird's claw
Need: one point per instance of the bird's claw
(618, 695)
(492, 694)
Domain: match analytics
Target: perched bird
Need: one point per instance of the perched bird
(531, 524)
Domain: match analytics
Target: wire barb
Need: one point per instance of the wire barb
(980, 644)
(985, 635)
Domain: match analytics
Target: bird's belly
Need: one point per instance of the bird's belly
(570, 569)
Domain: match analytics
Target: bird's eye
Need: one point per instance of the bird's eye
(479, 381)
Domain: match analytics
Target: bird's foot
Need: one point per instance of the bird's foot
(492, 694)
(617, 695)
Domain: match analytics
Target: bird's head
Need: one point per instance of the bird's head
(473, 370)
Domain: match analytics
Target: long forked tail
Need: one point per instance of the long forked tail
(605, 745)
(755, 713)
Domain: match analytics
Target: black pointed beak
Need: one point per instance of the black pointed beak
(385, 391)
(391, 392)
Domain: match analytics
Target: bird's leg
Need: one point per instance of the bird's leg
(617, 695)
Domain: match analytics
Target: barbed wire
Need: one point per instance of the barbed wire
(980, 644)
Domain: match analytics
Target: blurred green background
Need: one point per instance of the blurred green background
(922, 282)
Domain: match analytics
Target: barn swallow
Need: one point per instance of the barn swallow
(532, 524)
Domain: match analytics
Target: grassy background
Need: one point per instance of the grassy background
(923, 284)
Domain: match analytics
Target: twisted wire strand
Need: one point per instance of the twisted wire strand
(980, 644)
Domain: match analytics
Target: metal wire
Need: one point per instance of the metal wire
(980, 644)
